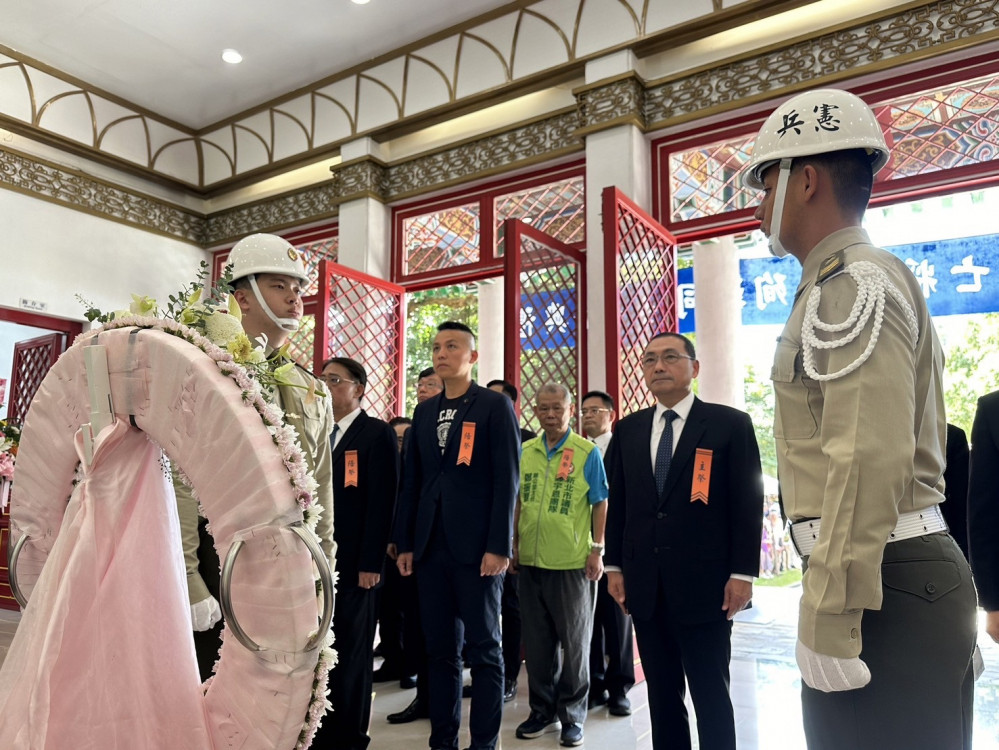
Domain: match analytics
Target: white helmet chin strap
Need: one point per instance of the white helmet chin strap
(287, 324)
(777, 249)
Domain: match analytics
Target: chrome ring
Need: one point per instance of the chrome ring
(12, 554)
(325, 576)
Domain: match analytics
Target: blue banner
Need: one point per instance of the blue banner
(548, 319)
(957, 277)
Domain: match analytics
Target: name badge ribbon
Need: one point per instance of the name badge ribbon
(702, 476)
(565, 468)
(350, 469)
(467, 443)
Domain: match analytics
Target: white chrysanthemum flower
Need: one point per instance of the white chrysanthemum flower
(221, 328)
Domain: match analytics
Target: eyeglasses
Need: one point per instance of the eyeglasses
(336, 380)
(670, 358)
(592, 410)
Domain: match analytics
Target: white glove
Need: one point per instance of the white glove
(206, 613)
(978, 662)
(829, 673)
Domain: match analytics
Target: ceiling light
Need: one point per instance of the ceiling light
(360, 2)
(231, 56)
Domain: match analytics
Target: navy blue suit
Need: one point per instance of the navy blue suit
(450, 515)
(677, 556)
(362, 523)
(983, 501)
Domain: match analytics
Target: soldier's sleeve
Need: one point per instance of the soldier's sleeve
(867, 437)
(187, 512)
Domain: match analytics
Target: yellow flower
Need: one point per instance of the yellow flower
(281, 373)
(142, 305)
(240, 348)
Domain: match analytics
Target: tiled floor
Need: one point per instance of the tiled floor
(765, 686)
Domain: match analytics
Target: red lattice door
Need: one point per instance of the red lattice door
(363, 317)
(641, 301)
(32, 360)
(545, 324)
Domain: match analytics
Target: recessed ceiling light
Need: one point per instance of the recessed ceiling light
(231, 56)
(360, 2)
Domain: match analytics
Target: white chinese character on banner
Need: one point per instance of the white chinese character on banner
(555, 320)
(686, 292)
(769, 289)
(968, 267)
(925, 273)
(527, 322)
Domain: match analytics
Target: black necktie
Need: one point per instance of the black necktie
(664, 453)
(335, 430)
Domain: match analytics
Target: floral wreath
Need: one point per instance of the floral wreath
(213, 325)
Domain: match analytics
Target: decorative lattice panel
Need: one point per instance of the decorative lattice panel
(944, 129)
(364, 324)
(549, 292)
(951, 127)
(704, 181)
(442, 239)
(646, 283)
(32, 360)
(557, 209)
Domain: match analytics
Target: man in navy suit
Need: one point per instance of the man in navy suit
(455, 529)
(683, 541)
(365, 481)
(983, 508)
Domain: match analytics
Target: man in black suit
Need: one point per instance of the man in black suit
(683, 536)
(955, 505)
(365, 481)
(983, 508)
(455, 529)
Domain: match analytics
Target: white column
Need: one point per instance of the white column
(718, 305)
(490, 330)
(619, 156)
(365, 223)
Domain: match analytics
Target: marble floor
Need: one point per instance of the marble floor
(765, 687)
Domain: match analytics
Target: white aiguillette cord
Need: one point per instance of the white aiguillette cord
(95, 358)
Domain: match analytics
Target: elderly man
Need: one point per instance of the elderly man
(886, 627)
(558, 546)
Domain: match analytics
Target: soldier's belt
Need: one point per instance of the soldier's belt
(805, 534)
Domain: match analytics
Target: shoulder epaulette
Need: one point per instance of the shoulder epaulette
(831, 266)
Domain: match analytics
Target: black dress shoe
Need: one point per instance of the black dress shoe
(385, 674)
(408, 682)
(619, 705)
(415, 710)
(597, 699)
(509, 691)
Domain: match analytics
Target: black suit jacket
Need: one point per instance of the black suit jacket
(983, 501)
(692, 548)
(955, 505)
(475, 501)
(362, 515)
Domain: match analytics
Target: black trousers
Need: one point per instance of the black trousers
(919, 648)
(346, 726)
(612, 648)
(671, 651)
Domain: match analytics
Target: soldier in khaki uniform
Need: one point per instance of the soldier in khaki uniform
(269, 279)
(887, 616)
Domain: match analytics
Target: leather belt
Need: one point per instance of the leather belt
(805, 534)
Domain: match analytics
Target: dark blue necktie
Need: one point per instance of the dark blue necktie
(664, 453)
(333, 432)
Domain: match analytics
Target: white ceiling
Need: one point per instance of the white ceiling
(166, 56)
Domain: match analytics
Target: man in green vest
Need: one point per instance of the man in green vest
(558, 547)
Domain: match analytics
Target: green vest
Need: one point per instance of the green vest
(555, 513)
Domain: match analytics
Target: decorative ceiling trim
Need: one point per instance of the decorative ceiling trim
(867, 46)
(71, 188)
(491, 59)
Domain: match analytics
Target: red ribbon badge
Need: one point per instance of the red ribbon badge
(702, 476)
(467, 443)
(565, 468)
(350, 469)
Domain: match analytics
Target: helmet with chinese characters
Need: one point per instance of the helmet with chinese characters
(816, 122)
(266, 253)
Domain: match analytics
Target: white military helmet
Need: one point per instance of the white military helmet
(815, 122)
(268, 253)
